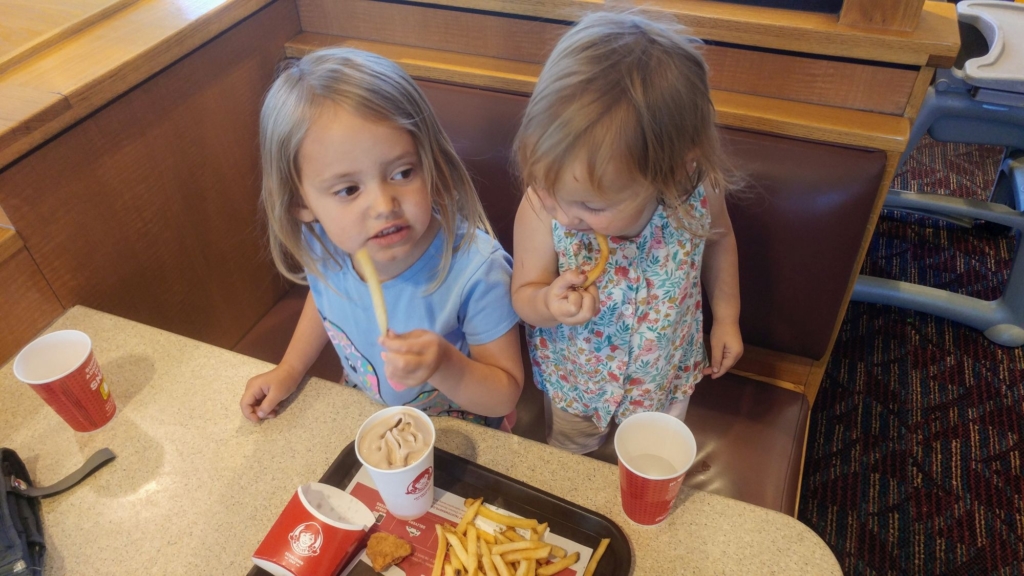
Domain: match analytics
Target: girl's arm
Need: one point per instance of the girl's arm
(264, 392)
(540, 295)
(487, 382)
(721, 278)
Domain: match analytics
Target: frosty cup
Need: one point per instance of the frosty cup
(655, 450)
(407, 490)
(62, 369)
(320, 530)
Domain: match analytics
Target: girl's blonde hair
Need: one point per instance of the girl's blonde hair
(374, 88)
(625, 90)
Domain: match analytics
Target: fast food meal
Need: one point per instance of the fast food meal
(362, 256)
(394, 442)
(385, 550)
(505, 553)
(602, 262)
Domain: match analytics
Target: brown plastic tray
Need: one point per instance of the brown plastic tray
(459, 476)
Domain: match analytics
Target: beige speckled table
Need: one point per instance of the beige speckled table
(195, 486)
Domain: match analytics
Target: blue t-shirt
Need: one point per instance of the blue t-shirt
(473, 306)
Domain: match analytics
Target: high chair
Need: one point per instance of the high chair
(978, 101)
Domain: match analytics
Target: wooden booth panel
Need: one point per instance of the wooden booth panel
(887, 14)
(148, 208)
(934, 41)
(746, 111)
(789, 76)
(27, 304)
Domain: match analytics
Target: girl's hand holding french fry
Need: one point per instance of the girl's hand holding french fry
(412, 358)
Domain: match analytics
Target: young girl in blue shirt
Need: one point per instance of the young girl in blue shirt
(353, 158)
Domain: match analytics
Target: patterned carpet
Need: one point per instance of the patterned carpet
(915, 460)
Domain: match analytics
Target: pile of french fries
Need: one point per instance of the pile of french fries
(467, 550)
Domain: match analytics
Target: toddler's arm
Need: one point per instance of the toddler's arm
(487, 382)
(540, 295)
(264, 392)
(721, 280)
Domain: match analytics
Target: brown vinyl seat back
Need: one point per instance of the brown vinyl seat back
(798, 232)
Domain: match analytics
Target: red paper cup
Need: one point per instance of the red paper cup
(655, 450)
(319, 531)
(62, 369)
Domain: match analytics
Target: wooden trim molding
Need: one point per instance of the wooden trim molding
(744, 111)
(934, 41)
(886, 14)
(109, 58)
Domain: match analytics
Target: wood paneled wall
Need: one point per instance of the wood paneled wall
(148, 208)
(27, 304)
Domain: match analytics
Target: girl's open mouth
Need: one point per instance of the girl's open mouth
(390, 235)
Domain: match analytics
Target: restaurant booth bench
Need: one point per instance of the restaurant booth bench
(796, 232)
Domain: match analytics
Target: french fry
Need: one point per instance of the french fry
(500, 565)
(362, 256)
(538, 532)
(471, 554)
(501, 539)
(520, 555)
(592, 565)
(448, 569)
(468, 517)
(531, 569)
(523, 568)
(556, 567)
(486, 560)
(460, 550)
(501, 549)
(504, 520)
(456, 562)
(442, 548)
(602, 262)
(512, 535)
(486, 536)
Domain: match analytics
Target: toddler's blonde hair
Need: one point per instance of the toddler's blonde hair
(377, 89)
(620, 87)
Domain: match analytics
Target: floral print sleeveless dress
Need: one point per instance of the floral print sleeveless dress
(644, 351)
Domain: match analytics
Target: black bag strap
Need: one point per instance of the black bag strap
(94, 462)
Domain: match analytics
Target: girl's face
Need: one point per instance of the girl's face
(623, 209)
(362, 180)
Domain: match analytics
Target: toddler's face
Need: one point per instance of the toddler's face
(623, 209)
(363, 182)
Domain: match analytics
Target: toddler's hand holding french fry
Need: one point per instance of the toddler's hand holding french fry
(568, 303)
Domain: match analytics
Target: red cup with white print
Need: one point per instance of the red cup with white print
(320, 530)
(655, 450)
(396, 445)
(63, 370)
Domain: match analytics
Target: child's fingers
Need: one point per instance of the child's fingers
(591, 301)
(573, 303)
(567, 282)
(268, 407)
(717, 349)
(251, 399)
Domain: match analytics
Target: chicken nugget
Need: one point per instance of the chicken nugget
(386, 550)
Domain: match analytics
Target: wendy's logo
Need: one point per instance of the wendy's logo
(306, 539)
(421, 482)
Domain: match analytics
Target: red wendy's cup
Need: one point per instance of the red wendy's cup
(320, 530)
(655, 450)
(62, 369)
